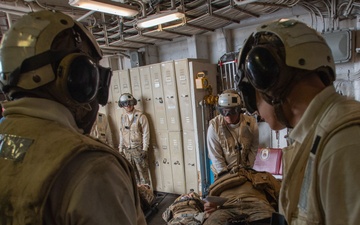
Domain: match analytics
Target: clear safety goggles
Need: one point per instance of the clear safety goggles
(228, 111)
(126, 103)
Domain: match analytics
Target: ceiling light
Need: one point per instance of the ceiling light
(106, 6)
(244, 2)
(160, 18)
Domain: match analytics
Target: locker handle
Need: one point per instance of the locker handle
(160, 100)
(184, 96)
(164, 160)
(147, 99)
(191, 164)
(156, 163)
(177, 163)
(170, 96)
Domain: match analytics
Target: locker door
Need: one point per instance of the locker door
(115, 87)
(166, 168)
(177, 161)
(147, 94)
(116, 93)
(156, 165)
(158, 95)
(124, 80)
(190, 161)
(136, 87)
(155, 156)
(184, 94)
(171, 97)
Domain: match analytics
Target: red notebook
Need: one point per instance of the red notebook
(269, 160)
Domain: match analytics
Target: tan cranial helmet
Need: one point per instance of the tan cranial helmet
(229, 103)
(229, 98)
(51, 51)
(277, 53)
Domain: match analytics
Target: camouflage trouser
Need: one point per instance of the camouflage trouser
(139, 161)
(184, 221)
(255, 211)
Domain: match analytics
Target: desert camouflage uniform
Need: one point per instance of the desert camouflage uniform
(251, 193)
(134, 143)
(187, 209)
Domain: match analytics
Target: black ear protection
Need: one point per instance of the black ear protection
(248, 96)
(82, 79)
(262, 67)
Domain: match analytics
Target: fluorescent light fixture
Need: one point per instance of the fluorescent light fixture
(160, 18)
(244, 2)
(106, 6)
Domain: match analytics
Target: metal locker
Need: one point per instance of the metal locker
(170, 96)
(166, 167)
(136, 87)
(190, 162)
(156, 165)
(155, 156)
(158, 95)
(124, 80)
(115, 87)
(184, 93)
(116, 93)
(147, 94)
(177, 161)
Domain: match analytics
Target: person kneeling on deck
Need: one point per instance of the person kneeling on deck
(233, 140)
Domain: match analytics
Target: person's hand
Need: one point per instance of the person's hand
(143, 154)
(210, 207)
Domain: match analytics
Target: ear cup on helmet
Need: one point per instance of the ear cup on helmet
(262, 67)
(78, 77)
(248, 96)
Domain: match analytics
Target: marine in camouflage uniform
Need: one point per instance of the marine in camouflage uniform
(187, 209)
(135, 138)
(233, 140)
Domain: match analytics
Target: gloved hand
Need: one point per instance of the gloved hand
(143, 154)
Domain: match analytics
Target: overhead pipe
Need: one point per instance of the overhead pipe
(142, 5)
(85, 15)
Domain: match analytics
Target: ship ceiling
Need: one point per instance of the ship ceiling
(119, 34)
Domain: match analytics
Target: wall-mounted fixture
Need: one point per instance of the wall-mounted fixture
(106, 6)
(160, 18)
(341, 44)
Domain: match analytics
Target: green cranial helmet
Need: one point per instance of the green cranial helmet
(48, 48)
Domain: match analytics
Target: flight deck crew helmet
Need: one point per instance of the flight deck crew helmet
(274, 57)
(48, 52)
(229, 103)
(127, 99)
